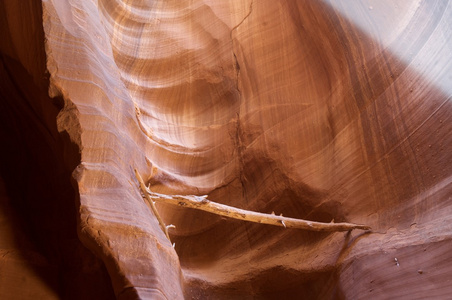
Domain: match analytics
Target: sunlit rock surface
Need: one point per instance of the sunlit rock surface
(320, 110)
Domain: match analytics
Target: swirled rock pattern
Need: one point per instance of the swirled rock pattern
(322, 110)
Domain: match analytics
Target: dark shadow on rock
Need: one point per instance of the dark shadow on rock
(36, 163)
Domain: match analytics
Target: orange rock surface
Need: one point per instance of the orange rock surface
(320, 110)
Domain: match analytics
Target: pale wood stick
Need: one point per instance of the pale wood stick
(152, 204)
(202, 203)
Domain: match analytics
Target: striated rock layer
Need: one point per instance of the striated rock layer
(321, 110)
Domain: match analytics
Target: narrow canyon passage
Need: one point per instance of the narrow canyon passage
(320, 110)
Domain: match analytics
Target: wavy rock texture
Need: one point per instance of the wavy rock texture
(321, 110)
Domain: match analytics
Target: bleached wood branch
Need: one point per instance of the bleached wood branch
(152, 205)
(202, 203)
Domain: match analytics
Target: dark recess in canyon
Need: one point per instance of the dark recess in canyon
(41, 255)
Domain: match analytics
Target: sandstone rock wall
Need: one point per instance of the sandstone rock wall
(321, 110)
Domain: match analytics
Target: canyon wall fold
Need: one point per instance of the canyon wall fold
(322, 110)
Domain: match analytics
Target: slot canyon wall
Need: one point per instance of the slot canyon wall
(329, 111)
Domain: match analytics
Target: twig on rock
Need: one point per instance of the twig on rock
(152, 204)
(202, 203)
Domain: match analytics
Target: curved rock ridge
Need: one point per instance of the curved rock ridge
(319, 110)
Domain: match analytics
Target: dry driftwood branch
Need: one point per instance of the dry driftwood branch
(202, 203)
(152, 204)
